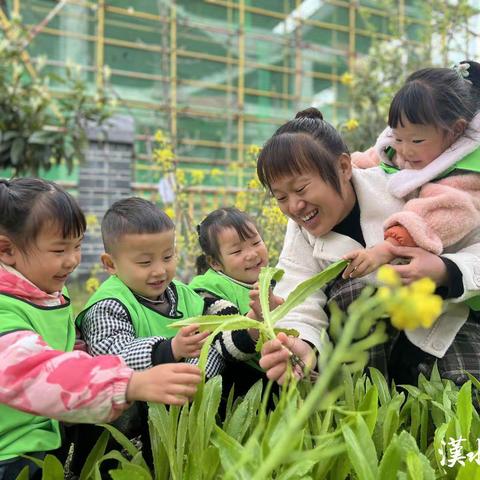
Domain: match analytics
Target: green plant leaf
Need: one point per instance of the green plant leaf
(306, 288)
(361, 450)
(95, 454)
(267, 274)
(121, 439)
(52, 468)
(464, 411)
(379, 380)
(130, 472)
(24, 474)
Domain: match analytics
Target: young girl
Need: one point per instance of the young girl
(41, 230)
(233, 255)
(432, 143)
(334, 210)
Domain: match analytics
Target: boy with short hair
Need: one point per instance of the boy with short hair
(129, 315)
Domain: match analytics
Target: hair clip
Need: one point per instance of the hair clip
(462, 70)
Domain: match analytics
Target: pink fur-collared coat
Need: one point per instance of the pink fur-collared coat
(445, 210)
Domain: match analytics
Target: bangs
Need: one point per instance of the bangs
(293, 154)
(414, 103)
(245, 229)
(58, 208)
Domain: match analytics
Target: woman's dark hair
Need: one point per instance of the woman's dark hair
(210, 227)
(307, 143)
(133, 215)
(438, 96)
(29, 204)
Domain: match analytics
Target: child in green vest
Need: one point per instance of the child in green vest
(130, 313)
(431, 151)
(42, 378)
(233, 255)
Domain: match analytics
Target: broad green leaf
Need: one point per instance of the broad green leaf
(121, 439)
(391, 460)
(52, 468)
(24, 474)
(414, 466)
(298, 470)
(230, 452)
(464, 410)
(369, 408)
(306, 288)
(361, 450)
(94, 456)
(470, 471)
(267, 274)
(210, 322)
(130, 472)
(379, 380)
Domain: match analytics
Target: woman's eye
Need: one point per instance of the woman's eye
(143, 263)
(257, 243)
(235, 252)
(301, 189)
(167, 258)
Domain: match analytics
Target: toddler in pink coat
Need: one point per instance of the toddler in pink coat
(431, 152)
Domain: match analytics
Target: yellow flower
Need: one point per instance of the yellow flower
(170, 212)
(160, 137)
(254, 184)
(254, 150)
(180, 177)
(346, 78)
(351, 124)
(424, 286)
(197, 176)
(241, 200)
(388, 276)
(92, 221)
(92, 284)
(215, 172)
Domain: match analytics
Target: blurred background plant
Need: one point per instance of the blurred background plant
(38, 129)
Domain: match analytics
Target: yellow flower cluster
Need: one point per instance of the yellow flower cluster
(274, 215)
(92, 284)
(351, 124)
(92, 221)
(197, 176)
(411, 306)
(346, 78)
(215, 172)
(160, 137)
(254, 150)
(170, 212)
(164, 157)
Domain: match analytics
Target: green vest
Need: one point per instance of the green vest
(223, 287)
(469, 163)
(146, 321)
(21, 432)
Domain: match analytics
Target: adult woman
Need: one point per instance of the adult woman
(333, 211)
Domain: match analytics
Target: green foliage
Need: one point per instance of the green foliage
(28, 110)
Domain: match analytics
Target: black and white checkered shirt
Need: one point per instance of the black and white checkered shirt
(107, 329)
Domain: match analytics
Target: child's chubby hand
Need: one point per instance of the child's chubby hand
(188, 342)
(169, 383)
(367, 260)
(255, 312)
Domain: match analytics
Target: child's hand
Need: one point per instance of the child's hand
(367, 260)
(188, 342)
(170, 383)
(276, 357)
(255, 309)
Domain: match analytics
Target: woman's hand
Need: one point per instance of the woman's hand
(422, 264)
(276, 356)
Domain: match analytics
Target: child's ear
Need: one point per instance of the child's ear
(8, 251)
(459, 128)
(216, 265)
(345, 166)
(108, 263)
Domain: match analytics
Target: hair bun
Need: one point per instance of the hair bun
(311, 112)
(473, 72)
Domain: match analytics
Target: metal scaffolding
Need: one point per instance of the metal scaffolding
(216, 75)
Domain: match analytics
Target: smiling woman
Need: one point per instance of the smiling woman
(334, 210)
